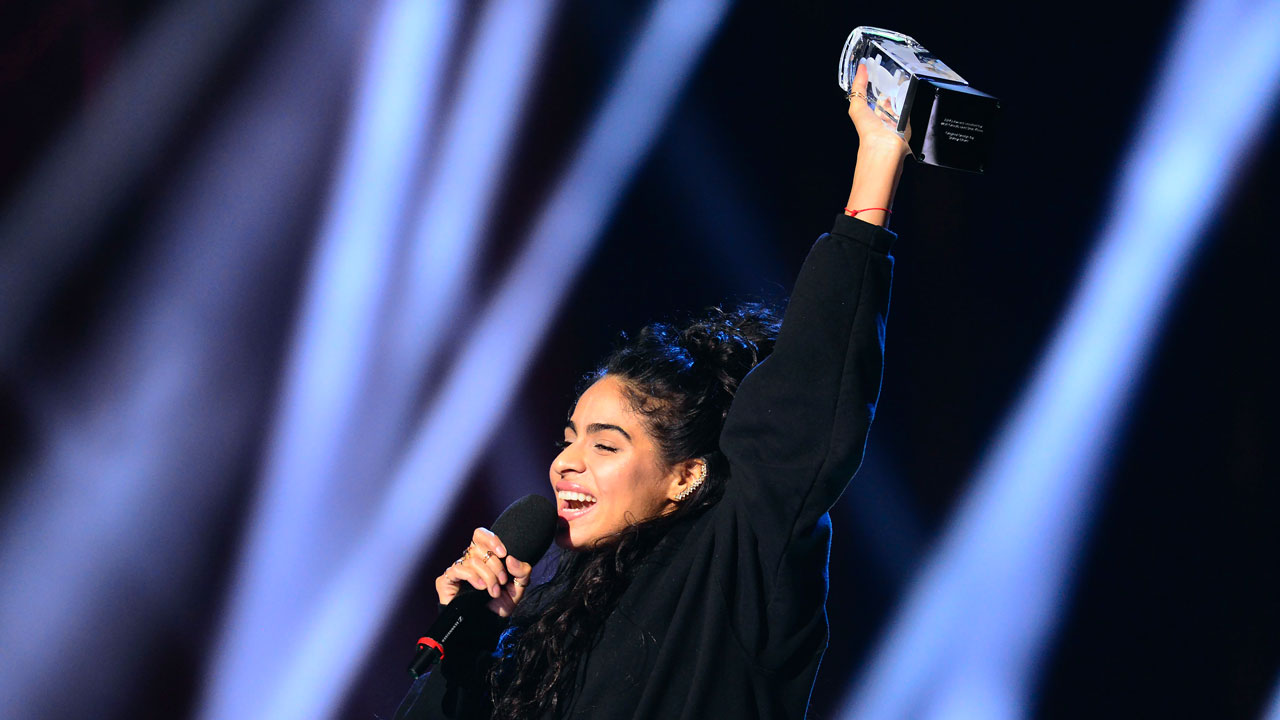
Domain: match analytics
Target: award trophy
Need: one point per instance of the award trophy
(951, 123)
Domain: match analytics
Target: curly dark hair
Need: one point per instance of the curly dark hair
(681, 380)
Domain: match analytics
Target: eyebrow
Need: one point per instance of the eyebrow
(597, 427)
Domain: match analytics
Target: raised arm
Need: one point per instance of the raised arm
(880, 156)
(796, 431)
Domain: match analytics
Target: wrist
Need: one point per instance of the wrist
(875, 181)
(851, 212)
(883, 153)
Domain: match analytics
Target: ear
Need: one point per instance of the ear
(686, 476)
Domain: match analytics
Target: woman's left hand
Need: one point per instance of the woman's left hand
(876, 130)
(881, 153)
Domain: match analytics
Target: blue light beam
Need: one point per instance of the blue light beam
(430, 289)
(291, 542)
(493, 359)
(968, 640)
(141, 434)
(1273, 711)
(335, 453)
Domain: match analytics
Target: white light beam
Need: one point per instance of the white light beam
(286, 546)
(968, 640)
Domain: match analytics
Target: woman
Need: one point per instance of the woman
(693, 503)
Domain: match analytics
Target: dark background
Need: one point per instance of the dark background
(1174, 607)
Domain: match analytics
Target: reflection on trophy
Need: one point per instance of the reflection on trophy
(909, 87)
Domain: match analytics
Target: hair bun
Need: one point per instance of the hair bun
(729, 343)
(682, 377)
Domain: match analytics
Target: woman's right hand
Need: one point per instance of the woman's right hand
(486, 566)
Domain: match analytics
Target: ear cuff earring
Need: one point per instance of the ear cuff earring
(694, 484)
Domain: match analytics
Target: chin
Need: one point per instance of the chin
(564, 536)
(568, 538)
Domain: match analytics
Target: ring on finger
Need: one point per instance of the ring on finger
(518, 583)
(465, 554)
(488, 554)
(855, 94)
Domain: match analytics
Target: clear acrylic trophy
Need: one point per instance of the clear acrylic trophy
(951, 123)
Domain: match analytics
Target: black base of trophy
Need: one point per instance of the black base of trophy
(952, 124)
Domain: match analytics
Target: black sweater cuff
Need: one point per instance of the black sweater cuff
(873, 236)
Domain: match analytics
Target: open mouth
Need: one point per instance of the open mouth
(574, 504)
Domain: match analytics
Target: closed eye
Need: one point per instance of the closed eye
(606, 448)
(562, 444)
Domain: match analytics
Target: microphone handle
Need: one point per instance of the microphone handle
(452, 617)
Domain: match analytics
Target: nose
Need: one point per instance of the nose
(568, 461)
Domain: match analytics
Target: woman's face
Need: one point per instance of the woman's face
(609, 473)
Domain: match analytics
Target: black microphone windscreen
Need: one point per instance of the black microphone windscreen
(527, 527)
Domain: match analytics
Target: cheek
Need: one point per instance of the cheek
(630, 488)
(616, 479)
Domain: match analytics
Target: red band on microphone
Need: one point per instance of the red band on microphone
(428, 642)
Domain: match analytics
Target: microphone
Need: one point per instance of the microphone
(526, 529)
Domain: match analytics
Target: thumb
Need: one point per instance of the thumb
(519, 569)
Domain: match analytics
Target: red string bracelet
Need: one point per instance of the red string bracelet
(854, 213)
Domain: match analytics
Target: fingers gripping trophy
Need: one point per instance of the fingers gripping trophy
(907, 86)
